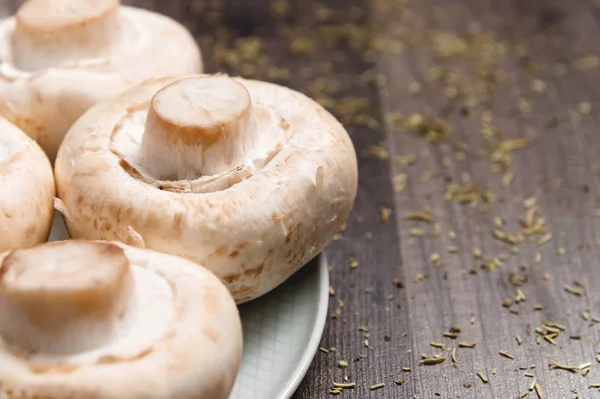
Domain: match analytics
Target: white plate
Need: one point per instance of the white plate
(282, 331)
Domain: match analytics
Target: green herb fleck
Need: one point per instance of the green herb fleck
(585, 315)
(538, 390)
(419, 216)
(450, 334)
(344, 385)
(556, 365)
(428, 361)
(376, 386)
(544, 239)
(572, 290)
(454, 359)
(550, 339)
(482, 377)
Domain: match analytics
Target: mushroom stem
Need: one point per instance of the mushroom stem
(199, 126)
(64, 297)
(50, 32)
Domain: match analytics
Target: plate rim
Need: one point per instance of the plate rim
(320, 319)
(315, 339)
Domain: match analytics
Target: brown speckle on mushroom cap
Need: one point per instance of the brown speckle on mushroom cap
(27, 190)
(285, 188)
(78, 315)
(81, 52)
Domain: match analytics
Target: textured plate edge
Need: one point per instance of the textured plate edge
(317, 334)
(320, 319)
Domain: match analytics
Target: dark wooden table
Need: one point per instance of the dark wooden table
(479, 117)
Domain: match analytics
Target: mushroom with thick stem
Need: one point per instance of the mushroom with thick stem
(248, 178)
(26, 189)
(59, 57)
(78, 316)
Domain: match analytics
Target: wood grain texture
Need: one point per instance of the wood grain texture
(557, 169)
(527, 69)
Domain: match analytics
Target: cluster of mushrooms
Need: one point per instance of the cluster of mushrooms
(184, 194)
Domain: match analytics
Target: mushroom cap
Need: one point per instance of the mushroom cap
(27, 189)
(285, 184)
(60, 57)
(102, 320)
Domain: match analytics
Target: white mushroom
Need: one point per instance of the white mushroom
(59, 57)
(26, 189)
(91, 319)
(248, 178)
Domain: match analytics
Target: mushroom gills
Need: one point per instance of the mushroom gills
(276, 174)
(199, 135)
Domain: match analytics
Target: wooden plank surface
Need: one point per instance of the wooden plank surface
(506, 57)
(482, 78)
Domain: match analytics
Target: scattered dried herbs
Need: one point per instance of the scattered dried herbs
(454, 359)
(482, 377)
(538, 391)
(428, 361)
(507, 302)
(519, 339)
(555, 365)
(344, 385)
(384, 213)
(376, 386)
(399, 182)
(405, 160)
(397, 282)
(572, 290)
(419, 216)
